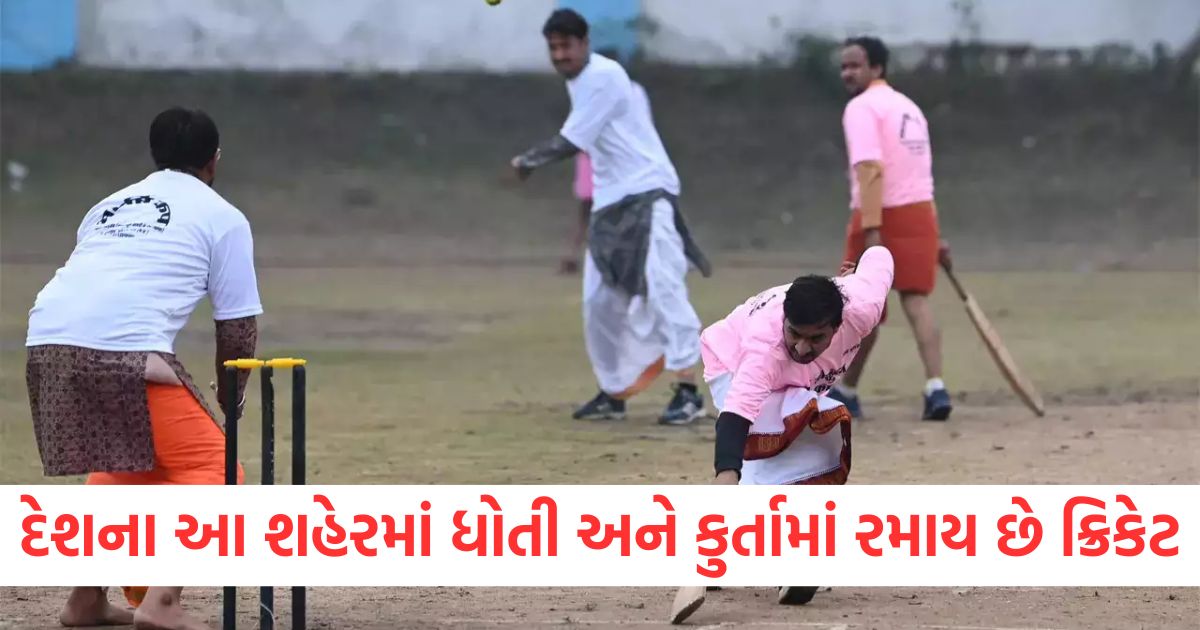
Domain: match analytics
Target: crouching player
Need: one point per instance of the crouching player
(768, 364)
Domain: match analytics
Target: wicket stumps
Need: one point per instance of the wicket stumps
(266, 613)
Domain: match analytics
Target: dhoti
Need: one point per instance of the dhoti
(799, 437)
(94, 413)
(630, 339)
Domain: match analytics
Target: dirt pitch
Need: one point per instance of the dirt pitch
(445, 350)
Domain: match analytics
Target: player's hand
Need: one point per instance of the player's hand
(871, 238)
(848, 268)
(726, 478)
(944, 255)
(241, 408)
(522, 172)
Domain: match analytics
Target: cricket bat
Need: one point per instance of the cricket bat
(1023, 388)
(687, 601)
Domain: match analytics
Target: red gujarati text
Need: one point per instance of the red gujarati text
(138, 529)
(910, 530)
(290, 535)
(540, 533)
(195, 536)
(772, 530)
(1126, 538)
(1028, 531)
(646, 537)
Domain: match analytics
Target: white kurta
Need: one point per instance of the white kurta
(611, 121)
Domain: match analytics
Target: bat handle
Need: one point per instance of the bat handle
(962, 294)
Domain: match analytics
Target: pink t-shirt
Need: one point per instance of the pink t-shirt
(884, 125)
(583, 176)
(749, 342)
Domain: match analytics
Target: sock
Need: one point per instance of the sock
(934, 384)
(846, 390)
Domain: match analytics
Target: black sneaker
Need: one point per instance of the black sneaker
(602, 407)
(796, 595)
(685, 407)
(937, 405)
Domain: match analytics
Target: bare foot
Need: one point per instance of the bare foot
(161, 610)
(88, 606)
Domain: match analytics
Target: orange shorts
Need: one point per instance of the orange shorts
(189, 447)
(910, 233)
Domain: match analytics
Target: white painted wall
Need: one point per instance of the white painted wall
(362, 35)
(742, 31)
(409, 35)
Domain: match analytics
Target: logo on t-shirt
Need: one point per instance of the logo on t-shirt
(135, 216)
(761, 300)
(913, 134)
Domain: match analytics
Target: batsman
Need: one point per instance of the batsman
(108, 395)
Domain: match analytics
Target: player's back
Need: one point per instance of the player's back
(724, 342)
(142, 261)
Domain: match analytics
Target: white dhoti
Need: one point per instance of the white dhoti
(799, 437)
(630, 339)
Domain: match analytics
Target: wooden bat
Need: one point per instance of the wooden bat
(1023, 388)
(687, 601)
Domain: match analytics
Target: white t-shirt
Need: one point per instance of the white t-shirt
(143, 259)
(610, 121)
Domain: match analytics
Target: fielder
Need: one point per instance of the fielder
(767, 365)
(636, 314)
(891, 198)
(108, 396)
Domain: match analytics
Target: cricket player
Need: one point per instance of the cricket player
(108, 396)
(583, 189)
(636, 314)
(891, 197)
(768, 364)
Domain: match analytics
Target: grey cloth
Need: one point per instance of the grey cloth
(619, 239)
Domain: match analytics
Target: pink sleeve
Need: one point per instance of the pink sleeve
(752, 383)
(863, 143)
(583, 176)
(866, 290)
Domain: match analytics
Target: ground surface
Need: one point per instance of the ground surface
(444, 349)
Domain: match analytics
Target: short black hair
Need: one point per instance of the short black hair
(877, 52)
(567, 23)
(813, 301)
(183, 139)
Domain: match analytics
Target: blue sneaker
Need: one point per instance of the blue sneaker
(685, 407)
(851, 402)
(937, 405)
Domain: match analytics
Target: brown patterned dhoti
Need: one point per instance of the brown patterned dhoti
(90, 411)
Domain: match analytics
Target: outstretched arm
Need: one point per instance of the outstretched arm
(552, 150)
